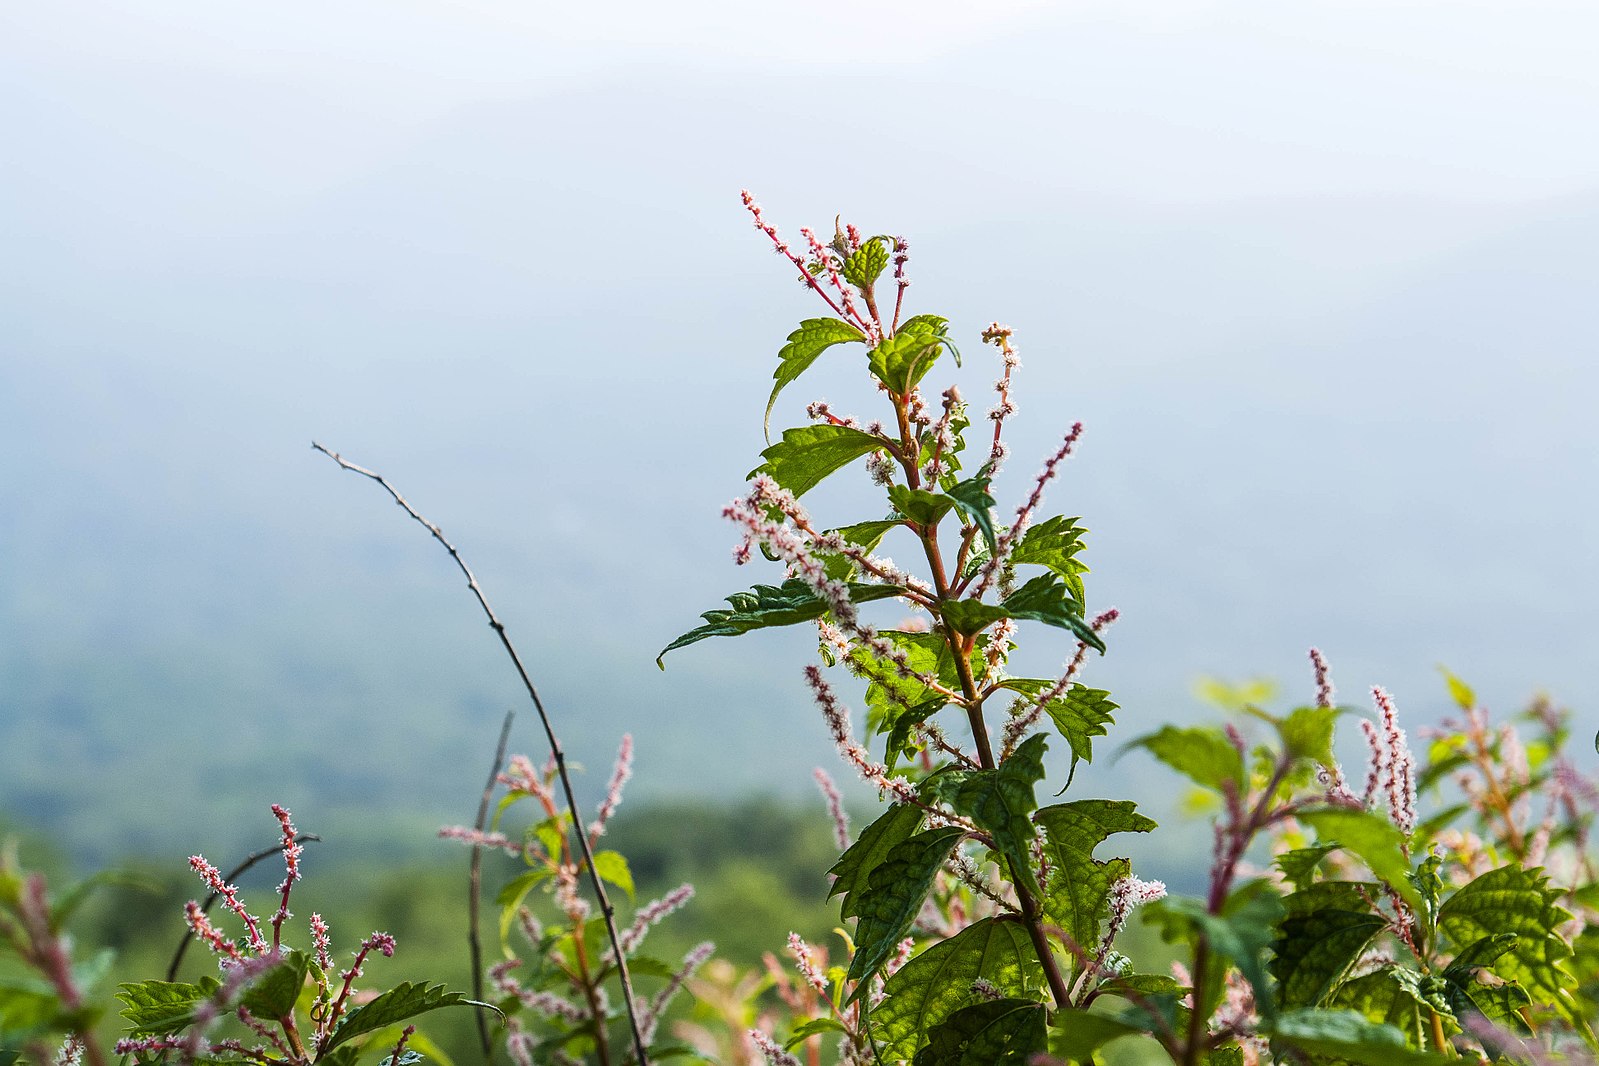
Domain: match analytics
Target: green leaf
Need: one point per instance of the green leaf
(1350, 1037)
(1242, 933)
(1080, 715)
(1371, 838)
(1054, 544)
(806, 455)
(1326, 929)
(511, 895)
(936, 983)
(807, 1029)
(404, 1001)
(273, 994)
(157, 1008)
(974, 501)
(1046, 599)
(1078, 1035)
(894, 704)
(1382, 997)
(766, 606)
(866, 263)
(1473, 986)
(1202, 755)
(1460, 692)
(814, 336)
(1307, 733)
(900, 361)
(923, 508)
(1000, 1032)
(893, 897)
(1299, 865)
(1000, 801)
(1077, 897)
(1513, 900)
(612, 866)
(853, 870)
(1043, 599)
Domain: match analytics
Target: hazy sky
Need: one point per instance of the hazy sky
(1317, 276)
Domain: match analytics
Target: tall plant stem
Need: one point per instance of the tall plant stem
(474, 902)
(607, 911)
(985, 757)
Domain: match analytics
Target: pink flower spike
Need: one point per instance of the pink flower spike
(775, 1055)
(292, 850)
(229, 894)
(613, 792)
(1324, 685)
(835, 806)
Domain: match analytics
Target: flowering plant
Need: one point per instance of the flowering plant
(985, 925)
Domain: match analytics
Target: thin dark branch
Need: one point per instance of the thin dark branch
(474, 902)
(607, 911)
(232, 875)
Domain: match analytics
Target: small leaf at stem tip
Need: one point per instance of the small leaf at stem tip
(865, 265)
(813, 337)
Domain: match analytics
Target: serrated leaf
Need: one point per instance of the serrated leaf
(894, 894)
(808, 454)
(1473, 986)
(1371, 838)
(866, 263)
(1054, 544)
(974, 501)
(273, 994)
(1043, 599)
(401, 1002)
(853, 870)
(1001, 1032)
(1080, 715)
(813, 337)
(1299, 865)
(1381, 998)
(1348, 1036)
(923, 508)
(1001, 801)
(1046, 599)
(612, 866)
(900, 361)
(157, 1008)
(1077, 896)
(1242, 933)
(1513, 900)
(1078, 1035)
(1202, 755)
(767, 606)
(1318, 940)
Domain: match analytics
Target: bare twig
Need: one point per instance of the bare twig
(232, 876)
(607, 911)
(474, 901)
